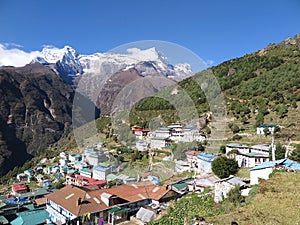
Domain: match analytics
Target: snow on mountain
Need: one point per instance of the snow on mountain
(52, 54)
(149, 62)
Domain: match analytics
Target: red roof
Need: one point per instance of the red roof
(68, 196)
(88, 180)
(192, 153)
(19, 187)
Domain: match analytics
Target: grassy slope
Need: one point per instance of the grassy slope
(277, 202)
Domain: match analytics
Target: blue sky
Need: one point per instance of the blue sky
(214, 30)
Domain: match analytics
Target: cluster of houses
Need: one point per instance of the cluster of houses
(165, 136)
(87, 198)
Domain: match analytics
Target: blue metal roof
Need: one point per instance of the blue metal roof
(267, 165)
(206, 157)
(101, 168)
(289, 164)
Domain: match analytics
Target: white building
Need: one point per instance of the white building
(162, 132)
(263, 170)
(270, 127)
(262, 149)
(100, 172)
(85, 172)
(181, 166)
(204, 161)
(94, 157)
(192, 134)
(237, 146)
(223, 186)
(191, 156)
(176, 132)
(141, 145)
(75, 157)
(159, 142)
(247, 156)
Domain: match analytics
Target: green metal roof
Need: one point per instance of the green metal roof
(254, 155)
(37, 192)
(29, 206)
(3, 197)
(182, 184)
(111, 177)
(2, 204)
(237, 145)
(117, 210)
(86, 170)
(31, 217)
(3, 220)
(159, 138)
(267, 125)
(104, 164)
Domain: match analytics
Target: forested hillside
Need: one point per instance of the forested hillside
(261, 87)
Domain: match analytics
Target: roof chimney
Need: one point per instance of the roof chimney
(78, 201)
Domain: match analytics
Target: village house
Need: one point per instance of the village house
(63, 155)
(85, 172)
(262, 149)
(162, 132)
(223, 186)
(263, 170)
(149, 176)
(23, 177)
(75, 157)
(142, 145)
(260, 129)
(200, 183)
(63, 161)
(188, 134)
(94, 157)
(79, 180)
(191, 157)
(180, 186)
(236, 146)
(145, 215)
(100, 172)
(52, 169)
(249, 159)
(19, 188)
(113, 205)
(191, 134)
(139, 132)
(159, 142)
(247, 156)
(175, 132)
(204, 161)
(181, 166)
(126, 179)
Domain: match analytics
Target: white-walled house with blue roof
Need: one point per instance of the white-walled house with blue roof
(204, 161)
(263, 170)
(100, 172)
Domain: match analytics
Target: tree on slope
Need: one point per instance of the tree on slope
(224, 167)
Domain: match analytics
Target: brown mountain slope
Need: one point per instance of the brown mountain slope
(35, 111)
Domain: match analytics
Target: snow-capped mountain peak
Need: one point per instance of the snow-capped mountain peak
(144, 55)
(52, 54)
(147, 62)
